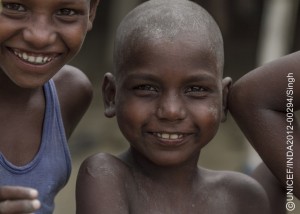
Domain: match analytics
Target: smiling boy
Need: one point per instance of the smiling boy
(169, 98)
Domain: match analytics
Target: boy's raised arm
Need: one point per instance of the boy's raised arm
(263, 103)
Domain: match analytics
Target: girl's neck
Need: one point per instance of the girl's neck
(10, 92)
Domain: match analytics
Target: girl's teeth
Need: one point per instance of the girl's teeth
(33, 59)
(39, 60)
(24, 56)
(45, 59)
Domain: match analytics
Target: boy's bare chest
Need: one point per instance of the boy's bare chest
(155, 200)
(161, 204)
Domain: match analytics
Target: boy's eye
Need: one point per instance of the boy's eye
(145, 87)
(145, 90)
(14, 6)
(66, 12)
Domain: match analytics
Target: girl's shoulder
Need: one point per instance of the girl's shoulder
(75, 93)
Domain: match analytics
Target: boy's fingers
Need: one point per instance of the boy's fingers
(17, 192)
(19, 206)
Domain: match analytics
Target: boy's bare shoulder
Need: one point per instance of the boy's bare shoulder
(101, 185)
(104, 165)
(244, 193)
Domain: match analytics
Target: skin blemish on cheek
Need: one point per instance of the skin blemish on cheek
(213, 110)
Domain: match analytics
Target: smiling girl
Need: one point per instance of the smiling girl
(41, 98)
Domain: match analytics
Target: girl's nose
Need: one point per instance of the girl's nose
(39, 33)
(171, 108)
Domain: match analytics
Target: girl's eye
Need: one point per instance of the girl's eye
(66, 12)
(197, 91)
(14, 6)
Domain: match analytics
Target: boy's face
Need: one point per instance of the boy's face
(168, 99)
(38, 37)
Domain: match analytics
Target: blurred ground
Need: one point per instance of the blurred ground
(239, 22)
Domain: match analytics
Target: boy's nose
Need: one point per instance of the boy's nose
(39, 33)
(171, 108)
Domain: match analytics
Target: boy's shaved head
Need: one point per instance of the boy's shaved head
(157, 20)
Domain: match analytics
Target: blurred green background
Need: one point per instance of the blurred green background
(247, 30)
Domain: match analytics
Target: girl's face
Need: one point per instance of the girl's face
(38, 37)
(168, 100)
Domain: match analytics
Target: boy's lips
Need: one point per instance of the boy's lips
(168, 136)
(33, 58)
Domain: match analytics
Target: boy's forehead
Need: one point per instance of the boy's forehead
(185, 53)
(158, 20)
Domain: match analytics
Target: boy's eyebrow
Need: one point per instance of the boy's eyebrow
(72, 1)
(201, 77)
(140, 75)
(195, 77)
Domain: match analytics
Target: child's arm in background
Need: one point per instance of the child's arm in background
(263, 103)
(14, 199)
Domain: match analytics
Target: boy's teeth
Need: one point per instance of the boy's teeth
(165, 136)
(32, 59)
(174, 136)
(169, 136)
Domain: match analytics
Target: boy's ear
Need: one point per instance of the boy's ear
(93, 9)
(226, 85)
(108, 94)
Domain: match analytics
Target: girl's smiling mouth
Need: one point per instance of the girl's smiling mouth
(33, 58)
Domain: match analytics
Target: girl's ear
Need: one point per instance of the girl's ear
(93, 9)
(109, 94)
(226, 85)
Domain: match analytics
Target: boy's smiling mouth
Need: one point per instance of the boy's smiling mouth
(168, 136)
(37, 59)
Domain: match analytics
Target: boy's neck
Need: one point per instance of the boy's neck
(185, 174)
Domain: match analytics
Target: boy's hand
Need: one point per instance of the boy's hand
(16, 199)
